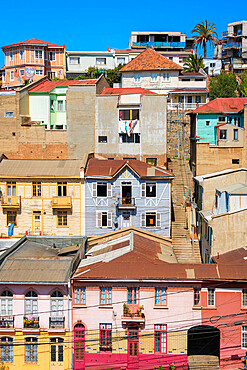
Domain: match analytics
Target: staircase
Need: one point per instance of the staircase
(181, 242)
(205, 362)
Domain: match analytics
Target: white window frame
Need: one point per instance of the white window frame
(3, 76)
(157, 223)
(58, 302)
(99, 219)
(33, 301)
(137, 77)
(74, 59)
(49, 74)
(208, 297)
(122, 60)
(37, 54)
(12, 72)
(52, 56)
(244, 337)
(39, 72)
(154, 77)
(11, 56)
(6, 304)
(21, 53)
(166, 77)
(99, 61)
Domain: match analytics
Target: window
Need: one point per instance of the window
(160, 296)
(74, 60)
(11, 56)
(211, 65)
(36, 187)
(229, 119)
(171, 58)
(120, 60)
(223, 134)
(31, 303)
(56, 349)
(31, 350)
(101, 61)
(104, 219)
(80, 295)
(133, 295)
(51, 74)
(152, 161)
(105, 337)
(211, 297)
(181, 60)
(137, 78)
(207, 123)
(198, 79)
(235, 134)
(39, 72)
(189, 99)
(12, 217)
(6, 303)
(52, 107)
(166, 77)
(60, 105)
(62, 189)
(62, 218)
(22, 72)
(237, 121)
(101, 189)
(21, 52)
(105, 295)
(160, 331)
(57, 303)
(185, 79)
(197, 297)
(38, 54)
(6, 349)
(222, 119)
(102, 139)
(235, 161)
(151, 190)
(244, 337)
(79, 341)
(154, 77)
(3, 76)
(128, 114)
(198, 99)
(11, 188)
(244, 297)
(181, 99)
(12, 75)
(133, 138)
(51, 55)
(150, 219)
(8, 114)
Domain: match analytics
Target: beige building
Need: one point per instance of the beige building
(41, 197)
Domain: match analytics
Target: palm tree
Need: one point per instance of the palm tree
(193, 63)
(206, 32)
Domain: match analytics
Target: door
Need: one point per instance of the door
(125, 219)
(133, 348)
(126, 193)
(37, 222)
(57, 358)
(79, 347)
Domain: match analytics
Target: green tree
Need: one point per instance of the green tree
(206, 32)
(223, 86)
(113, 75)
(243, 83)
(193, 63)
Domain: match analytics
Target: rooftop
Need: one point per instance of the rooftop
(234, 189)
(34, 42)
(150, 60)
(110, 168)
(219, 173)
(126, 91)
(222, 105)
(46, 86)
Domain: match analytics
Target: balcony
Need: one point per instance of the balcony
(133, 314)
(62, 202)
(171, 44)
(231, 44)
(6, 322)
(184, 106)
(31, 322)
(126, 203)
(131, 126)
(11, 202)
(56, 322)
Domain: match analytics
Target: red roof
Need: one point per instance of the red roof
(33, 42)
(150, 60)
(109, 168)
(190, 90)
(222, 105)
(47, 85)
(196, 74)
(126, 91)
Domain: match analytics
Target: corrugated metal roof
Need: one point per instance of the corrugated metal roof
(234, 189)
(40, 168)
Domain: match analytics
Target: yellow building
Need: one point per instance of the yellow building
(41, 197)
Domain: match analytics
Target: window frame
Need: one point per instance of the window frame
(133, 296)
(105, 337)
(58, 312)
(99, 215)
(8, 299)
(9, 215)
(221, 131)
(74, 58)
(160, 329)
(62, 185)
(105, 296)
(6, 115)
(12, 75)
(196, 297)
(244, 298)
(32, 298)
(7, 344)
(154, 184)
(22, 72)
(33, 343)
(154, 77)
(102, 139)
(36, 191)
(37, 54)
(166, 77)
(211, 298)
(62, 219)
(56, 342)
(39, 72)
(21, 54)
(51, 56)
(160, 297)
(235, 131)
(60, 104)
(79, 295)
(100, 59)
(101, 184)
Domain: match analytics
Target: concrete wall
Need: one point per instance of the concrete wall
(39, 108)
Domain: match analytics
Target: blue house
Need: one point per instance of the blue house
(123, 193)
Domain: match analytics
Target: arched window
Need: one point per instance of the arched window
(31, 350)
(31, 303)
(57, 303)
(6, 349)
(57, 350)
(6, 303)
(79, 342)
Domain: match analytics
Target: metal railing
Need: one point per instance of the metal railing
(126, 202)
(56, 321)
(171, 44)
(184, 106)
(6, 321)
(31, 322)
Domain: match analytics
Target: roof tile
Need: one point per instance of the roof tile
(33, 41)
(126, 91)
(222, 105)
(47, 85)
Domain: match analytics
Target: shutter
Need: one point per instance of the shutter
(94, 189)
(109, 190)
(98, 219)
(109, 219)
(143, 220)
(158, 220)
(143, 190)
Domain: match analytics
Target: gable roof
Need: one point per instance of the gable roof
(222, 105)
(33, 42)
(126, 91)
(46, 86)
(150, 60)
(110, 168)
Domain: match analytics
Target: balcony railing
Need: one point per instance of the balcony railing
(31, 322)
(184, 106)
(232, 34)
(6, 321)
(11, 201)
(56, 322)
(126, 202)
(171, 44)
(133, 314)
(61, 202)
(231, 44)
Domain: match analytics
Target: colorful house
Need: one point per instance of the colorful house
(32, 59)
(123, 193)
(35, 323)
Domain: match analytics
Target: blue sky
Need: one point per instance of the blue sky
(95, 25)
